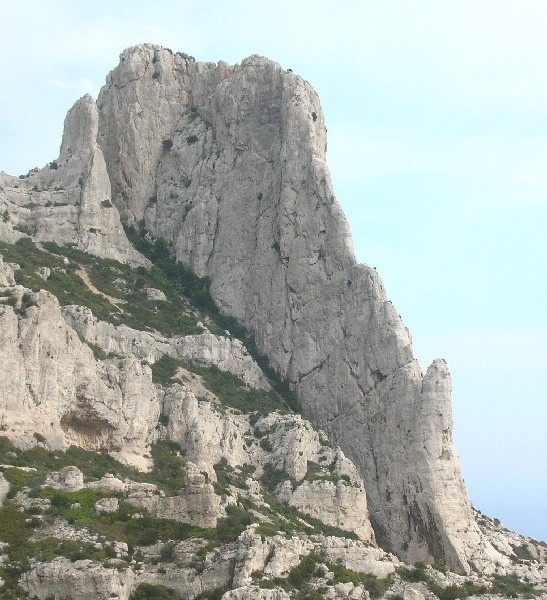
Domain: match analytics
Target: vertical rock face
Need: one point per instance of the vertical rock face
(53, 386)
(228, 164)
(69, 201)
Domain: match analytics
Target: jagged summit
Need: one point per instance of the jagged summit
(227, 165)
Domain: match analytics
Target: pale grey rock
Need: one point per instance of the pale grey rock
(274, 556)
(53, 385)
(68, 479)
(360, 557)
(227, 163)
(255, 593)
(4, 488)
(69, 201)
(334, 503)
(43, 272)
(154, 294)
(196, 503)
(7, 273)
(107, 505)
(80, 580)
(346, 591)
(228, 354)
(244, 152)
(205, 434)
(108, 483)
(337, 495)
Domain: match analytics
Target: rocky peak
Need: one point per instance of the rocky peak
(226, 165)
(80, 129)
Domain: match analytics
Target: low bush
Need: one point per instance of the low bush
(148, 591)
(512, 587)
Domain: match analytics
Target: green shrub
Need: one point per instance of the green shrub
(148, 591)
(272, 477)
(418, 573)
(197, 290)
(214, 594)
(511, 587)
(374, 585)
(266, 445)
(522, 552)
(169, 467)
(230, 528)
(302, 573)
(164, 369)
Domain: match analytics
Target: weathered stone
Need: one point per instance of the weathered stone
(196, 503)
(69, 201)
(4, 488)
(255, 593)
(69, 479)
(242, 149)
(228, 354)
(107, 505)
(43, 272)
(7, 273)
(80, 580)
(53, 385)
(227, 164)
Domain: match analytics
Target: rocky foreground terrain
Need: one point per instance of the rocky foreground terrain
(202, 394)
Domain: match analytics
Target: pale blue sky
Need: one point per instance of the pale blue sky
(437, 120)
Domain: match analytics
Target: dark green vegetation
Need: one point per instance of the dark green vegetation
(317, 472)
(188, 300)
(227, 475)
(313, 565)
(230, 389)
(172, 316)
(147, 591)
(510, 586)
(522, 553)
(167, 472)
(197, 290)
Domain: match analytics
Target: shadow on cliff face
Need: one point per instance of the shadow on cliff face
(84, 427)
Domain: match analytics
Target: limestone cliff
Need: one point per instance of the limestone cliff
(69, 200)
(228, 164)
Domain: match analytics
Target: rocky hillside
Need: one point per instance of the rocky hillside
(160, 462)
(217, 401)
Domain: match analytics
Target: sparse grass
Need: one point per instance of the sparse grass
(375, 586)
(512, 587)
(522, 552)
(227, 475)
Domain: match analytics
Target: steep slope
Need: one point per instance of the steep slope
(227, 163)
(240, 498)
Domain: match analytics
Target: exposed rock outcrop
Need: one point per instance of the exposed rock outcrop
(53, 386)
(69, 200)
(228, 165)
(233, 175)
(228, 354)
